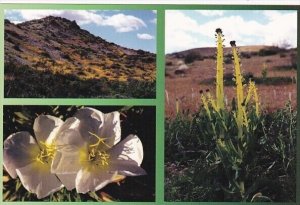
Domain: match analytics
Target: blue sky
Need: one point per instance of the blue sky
(132, 29)
(186, 29)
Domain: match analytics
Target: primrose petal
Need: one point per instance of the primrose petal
(37, 178)
(92, 181)
(20, 149)
(44, 126)
(129, 149)
(68, 180)
(111, 128)
(105, 125)
(91, 121)
(66, 160)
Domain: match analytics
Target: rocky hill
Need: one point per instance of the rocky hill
(59, 46)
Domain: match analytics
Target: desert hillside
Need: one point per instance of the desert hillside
(58, 46)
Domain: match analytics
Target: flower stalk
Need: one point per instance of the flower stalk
(220, 71)
(239, 90)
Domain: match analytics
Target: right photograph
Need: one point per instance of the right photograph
(230, 105)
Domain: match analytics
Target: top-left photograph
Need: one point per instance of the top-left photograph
(79, 53)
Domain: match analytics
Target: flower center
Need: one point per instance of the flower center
(46, 154)
(98, 158)
(96, 155)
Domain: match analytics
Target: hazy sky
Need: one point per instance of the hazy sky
(187, 29)
(132, 29)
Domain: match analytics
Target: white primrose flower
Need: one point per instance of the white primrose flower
(91, 158)
(31, 158)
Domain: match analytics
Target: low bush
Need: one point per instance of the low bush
(269, 51)
(191, 57)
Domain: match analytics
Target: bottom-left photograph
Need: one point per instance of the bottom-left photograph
(79, 153)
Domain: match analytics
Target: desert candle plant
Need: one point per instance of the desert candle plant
(233, 143)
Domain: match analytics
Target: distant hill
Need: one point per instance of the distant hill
(59, 46)
(211, 51)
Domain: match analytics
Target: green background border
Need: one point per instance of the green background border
(158, 102)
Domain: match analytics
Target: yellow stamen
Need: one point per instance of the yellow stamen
(95, 156)
(100, 141)
(46, 154)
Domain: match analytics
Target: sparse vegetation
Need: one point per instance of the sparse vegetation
(26, 82)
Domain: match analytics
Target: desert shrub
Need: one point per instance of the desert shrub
(141, 52)
(246, 55)
(191, 57)
(83, 53)
(115, 66)
(139, 89)
(150, 59)
(282, 55)
(169, 63)
(264, 73)
(228, 60)
(253, 53)
(269, 51)
(66, 56)
(17, 47)
(80, 72)
(285, 68)
(273, 80)
(45, 54)
(248, 76)
(294, 61)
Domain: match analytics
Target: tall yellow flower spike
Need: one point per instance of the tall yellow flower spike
(252, 91)
(220, 71)
(239, 89)
(177, 106)
(255, 99)
(205, 104)
(212, 101)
